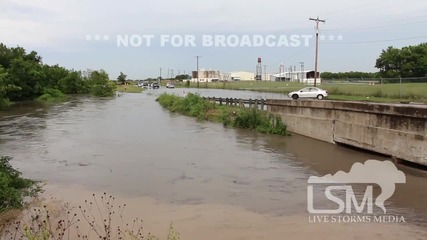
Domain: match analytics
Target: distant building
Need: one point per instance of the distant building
(206, 76)
(238, 76)
(306, 77)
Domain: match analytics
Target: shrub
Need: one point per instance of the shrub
(13, 188)
(249, 118)
(4, 103)
(261, 121)
(104, 90)
(52, 95)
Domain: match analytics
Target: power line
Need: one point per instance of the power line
(365, 6)
(374, 27)
(374, 41)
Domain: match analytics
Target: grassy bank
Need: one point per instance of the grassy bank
(338, 91)
(195, 106)
(129, 89)
(52, 95)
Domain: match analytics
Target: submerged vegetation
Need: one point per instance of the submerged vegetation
(249, 118)
(23, 76)
(52, 95)
(13, 187)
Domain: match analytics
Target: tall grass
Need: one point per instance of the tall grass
(248, 118)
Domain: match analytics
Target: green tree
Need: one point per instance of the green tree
(182, 77)
(53, 74)
(101, 85)
(73, 83)
(122, 78)
(28, 76)
(4, 101)
(410, 61)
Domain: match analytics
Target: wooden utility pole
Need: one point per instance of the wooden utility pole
(197, 57)
(317, 20)
(265, 72)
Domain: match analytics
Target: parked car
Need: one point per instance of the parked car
(309, 92)
(170, 85)
(155, 86)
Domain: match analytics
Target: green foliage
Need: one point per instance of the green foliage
(28, 76)
(261, 121)
(249, 118)
(52, 95)
(347, 75)
(122, 78)
(410, 61)
(101, 86)
(53, 74)
(4, 101)
(13, 188)
(73, 83)
(24, 77)
(182, 77)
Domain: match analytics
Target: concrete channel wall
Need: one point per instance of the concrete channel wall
(398, 130)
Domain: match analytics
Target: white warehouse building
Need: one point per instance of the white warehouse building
(206, 76)
(306, 77)
(238, 76)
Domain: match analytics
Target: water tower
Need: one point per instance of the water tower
(258, 76)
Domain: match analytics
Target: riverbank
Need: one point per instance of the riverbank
(248, 118)
(414, 92)
(212, 221)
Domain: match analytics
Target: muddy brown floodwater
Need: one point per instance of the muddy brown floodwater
(213, 182)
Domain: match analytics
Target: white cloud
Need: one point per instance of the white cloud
(44, 22)
(62, 26)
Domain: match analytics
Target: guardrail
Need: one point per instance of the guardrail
(239, 102)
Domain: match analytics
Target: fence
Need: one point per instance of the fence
(260, 104)
(403, 88)
(380, 80)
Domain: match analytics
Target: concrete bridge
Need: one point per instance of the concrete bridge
(396, 130)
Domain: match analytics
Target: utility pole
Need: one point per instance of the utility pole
(265, 72)
(160, 77)
(317, 20)
(197, 57)
(302, 71)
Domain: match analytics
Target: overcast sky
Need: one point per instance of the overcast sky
(82, 34)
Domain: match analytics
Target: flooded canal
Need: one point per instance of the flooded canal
(131, 147)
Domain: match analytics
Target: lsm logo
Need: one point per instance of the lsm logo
(338, 190)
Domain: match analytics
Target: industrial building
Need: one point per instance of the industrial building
(241, 76)
(206, 76)
(306, 77)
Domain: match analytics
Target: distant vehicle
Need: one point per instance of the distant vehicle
(145, 85)
(155, 86)
(309, 92)
(170, 85)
